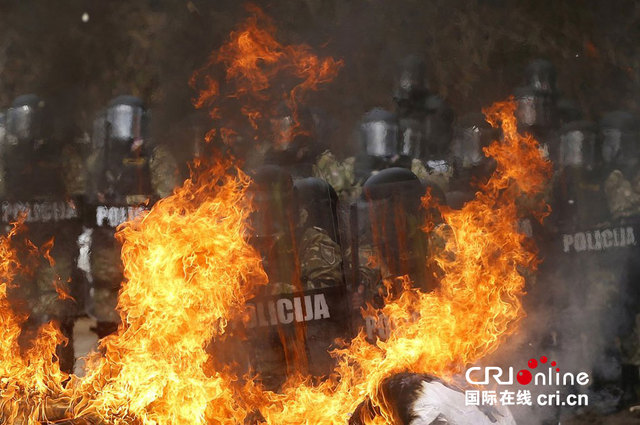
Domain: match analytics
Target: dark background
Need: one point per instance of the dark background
(476, 51)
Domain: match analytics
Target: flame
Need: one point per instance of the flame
(188, 268)
(187, 265)
(440, 332)
(33, 377)
(260, 73)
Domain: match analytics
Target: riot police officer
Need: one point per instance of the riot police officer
(537, 106)
(293, 143)
(427, 118)
(322, 269)
(472, 134)
(294, 320)
(127, 174)
(38, 185)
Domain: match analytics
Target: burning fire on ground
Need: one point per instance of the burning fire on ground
(189, 269)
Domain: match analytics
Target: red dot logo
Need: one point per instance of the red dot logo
(533, 363)
(543, 359)
(524, 377)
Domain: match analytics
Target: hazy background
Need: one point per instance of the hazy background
(476, 50)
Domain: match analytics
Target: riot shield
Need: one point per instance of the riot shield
(387, 243)
(291, 323)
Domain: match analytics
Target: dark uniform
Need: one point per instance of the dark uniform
(126, 176)
(43, 184)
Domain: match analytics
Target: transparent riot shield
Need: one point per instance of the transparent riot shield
(321, 271)
(388, 244)
(291, 324)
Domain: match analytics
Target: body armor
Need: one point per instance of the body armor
(36, 184)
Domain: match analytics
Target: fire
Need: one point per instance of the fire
(189, 269)
(477, 305)
(30, 378)
(260, 73)
(187, 265)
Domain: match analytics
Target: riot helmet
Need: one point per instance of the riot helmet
(379, 133)
(578, 145)
(541, 75)
(287, 126)
(126, 118)
(472, 133)
(25, 120)
(411, 84)
(619, 135)
(534, 108)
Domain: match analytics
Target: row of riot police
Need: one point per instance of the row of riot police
(72, 195)
(586, 288)
(341, 240)
(334, 236)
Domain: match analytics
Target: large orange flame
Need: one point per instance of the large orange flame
(478, 303)
(260, 73)
(28, 380)
(188, 266)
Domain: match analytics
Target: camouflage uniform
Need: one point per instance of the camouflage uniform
(320, 259)
(340, 175)
(623, 196)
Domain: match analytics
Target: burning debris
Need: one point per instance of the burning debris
(414, 399)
